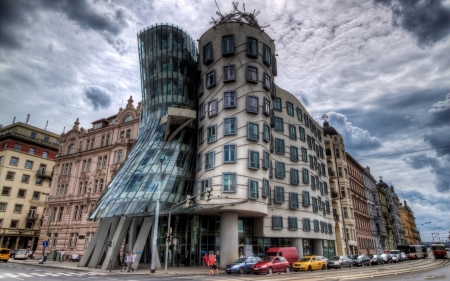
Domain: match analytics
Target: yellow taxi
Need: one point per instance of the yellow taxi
(4, 254)
(310, 263)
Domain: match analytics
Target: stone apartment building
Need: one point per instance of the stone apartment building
(88, 158)
(412, 236)
(27, 157)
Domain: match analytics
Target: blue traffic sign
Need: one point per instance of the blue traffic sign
(45, 244)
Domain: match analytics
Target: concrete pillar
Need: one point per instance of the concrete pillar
(132, 234)
(141, 240)
(317, 247)
(298, 243)
(112, 254)
(229, 239)
(17, 243)
(1, 241)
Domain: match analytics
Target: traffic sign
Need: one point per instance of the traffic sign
(46, 238)
(45, 244)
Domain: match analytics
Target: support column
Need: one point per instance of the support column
(317, 247)
(1, 241)
(132, 234)
(298, 243)
(229, 240)
(17, 243)
(92, 245)
(141, 239)
(119, 233)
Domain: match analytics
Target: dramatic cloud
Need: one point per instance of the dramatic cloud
(428, 20)
(437, 166)
(14, 23)
(440, 139)
(98, 97)
(440, 112)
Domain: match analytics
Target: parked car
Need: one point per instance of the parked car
(403, 255)
(4, 254)
(13, 253)
(376, 259)
(364, 260)
(396, 258)
(242, 265)
(354, 259)
(387, 258)
(289, 253)
(310, 263)
(340, 262)
(21, 254)
(270, 264)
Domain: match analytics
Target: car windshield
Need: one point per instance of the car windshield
(336, 258)
(240, 260)
(21, 251)
(394, 252)
(384, 255)
(361, 257)
(4, 251)
(267, 259)
(305, 259)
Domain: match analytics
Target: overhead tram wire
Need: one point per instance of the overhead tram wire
(388, 155)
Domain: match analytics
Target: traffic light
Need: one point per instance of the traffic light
(208, 193)
(109, 243)
(188, 201)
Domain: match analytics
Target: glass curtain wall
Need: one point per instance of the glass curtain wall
(167, 56)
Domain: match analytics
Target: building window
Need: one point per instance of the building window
(252, 47)
(294, 153)
(6, 191)
(207, 53)
(279, 194)
(32, 150)
(267, 83)
(313, 182)
(212, 108)
(229, 73)
(290, 108)
(201, 88)
(199, 162)
(277, 104)
(305, 176)
(294, 176)
(253, 159)
(229, 153)
(211, 133)
(229, 182)
(25, 178)
(292, 223)
(316, 225)
(299, 115)
(315, 207)
(10, 176)
(302, 134)
(252, 74)
(14, 161)
(266, 189)
(266, 108)
(33, 134)
(327, 206)
(128, 118)
(266, 160)
(209, 161)
(305, 116)
(293, 200)
(325, 188)
(2, 207)
(267, 55)
(305, 195)
(36, 195)
(292, 132)
(279, 124)
(266, 133)
(204, 184)
(306, 224)
(118, 156)
(330, 229)
(252, 104)
(253, 189)
(229, 99)
(17, 147)
(200, 135)
(210, 79)
(18, 208)
(45, 154)
(1, 159)
(277, 222)
(280, 170)
(252, 131)
(229, 127)
(228, 45)
(71, 149)
(14, 224)
(201, 110)
(304, 155)
(279, 146)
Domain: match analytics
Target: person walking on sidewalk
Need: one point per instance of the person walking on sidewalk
(131, 261)
(125, 264)
(62, 255)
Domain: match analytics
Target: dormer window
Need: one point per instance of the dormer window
(112, 122)
(128, 118)
(71, 149)
(97, 126)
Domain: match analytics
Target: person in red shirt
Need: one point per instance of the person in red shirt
(205, 259)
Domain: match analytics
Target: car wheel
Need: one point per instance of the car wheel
(270, 270)
(309, 268)
(323, 267)
(342, 266)
(241, 270)
(351, 265)
(286, 269)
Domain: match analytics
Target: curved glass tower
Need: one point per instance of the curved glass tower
(164, 153)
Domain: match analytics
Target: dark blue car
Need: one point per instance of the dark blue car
(242, 265)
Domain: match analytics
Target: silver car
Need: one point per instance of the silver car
(340, 262)
(21, 254)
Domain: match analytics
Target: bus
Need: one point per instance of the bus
(438, 250)
(414, 251)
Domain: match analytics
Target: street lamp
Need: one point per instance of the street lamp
(48, 225)
(155, 226)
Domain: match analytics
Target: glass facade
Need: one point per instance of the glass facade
(167, 56)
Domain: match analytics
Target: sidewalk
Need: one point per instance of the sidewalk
(143, 268)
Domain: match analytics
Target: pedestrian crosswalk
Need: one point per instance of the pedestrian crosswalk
(8, 276)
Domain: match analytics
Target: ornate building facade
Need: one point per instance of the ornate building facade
(412, 236)
(87, 161)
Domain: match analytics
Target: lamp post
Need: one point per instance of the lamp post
(155, 226)
(48, 226)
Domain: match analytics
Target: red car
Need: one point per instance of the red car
(269, 265)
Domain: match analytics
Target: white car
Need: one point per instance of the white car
(21, 254)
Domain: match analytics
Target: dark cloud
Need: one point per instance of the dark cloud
(440, 139)
(437, 165)
(15, 16)
(98, 97)
(427, 20)
(440, 112)
(426, 199)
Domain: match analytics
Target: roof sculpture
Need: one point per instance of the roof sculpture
(238, 16)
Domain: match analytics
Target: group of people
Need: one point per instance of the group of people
(129, 260)
(210, 260)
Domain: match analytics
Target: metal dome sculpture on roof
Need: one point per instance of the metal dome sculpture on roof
(237, 16)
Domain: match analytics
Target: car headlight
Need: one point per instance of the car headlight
(264, 266)
(235, 266)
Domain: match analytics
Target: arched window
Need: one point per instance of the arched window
(71, 149)
(128, 118)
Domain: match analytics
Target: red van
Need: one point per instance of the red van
(289, 253)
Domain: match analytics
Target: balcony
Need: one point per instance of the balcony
(32, 216)
(336, 217)
(334, 194)
(331, 174)
(43, 174)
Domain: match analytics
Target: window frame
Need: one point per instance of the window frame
(295, 172)
(212, 156)
(225, 105)
(265, 188)
(200, 135)
(254, 43)
(226, 77)
(248, 78)
(292, 132)
(16, 161)
(266, 160)
(293, 200)
(224, 153)
(234, 187)
(199, 163)
(251, 193)
(277, 104)
(267, 55)
(306, 222)
(212, 113)
(266, 106)
(277, 222)
(267, 81)
(278, 121)
(250, 108)
(306, 202)
(266, 132)
(207, 53)
(248, 131)
(249, 164)
(305, 176)
(225, 126)
(294, 153)
(302, 135)
(291, 224)
(201, 110)
(211, 132)
(226, 52)
(299, 114)
(279, 144)
(289, 108)
(210, 78)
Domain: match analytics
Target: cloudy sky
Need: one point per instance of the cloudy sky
(380, 70)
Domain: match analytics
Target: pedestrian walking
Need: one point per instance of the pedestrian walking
(125, 264)
(131, 261)
(62, 255)
(178, 258)
(205, 259)
(30, 255)
(215, 265)
(186, 258)
(212, 264)
(26, 256)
